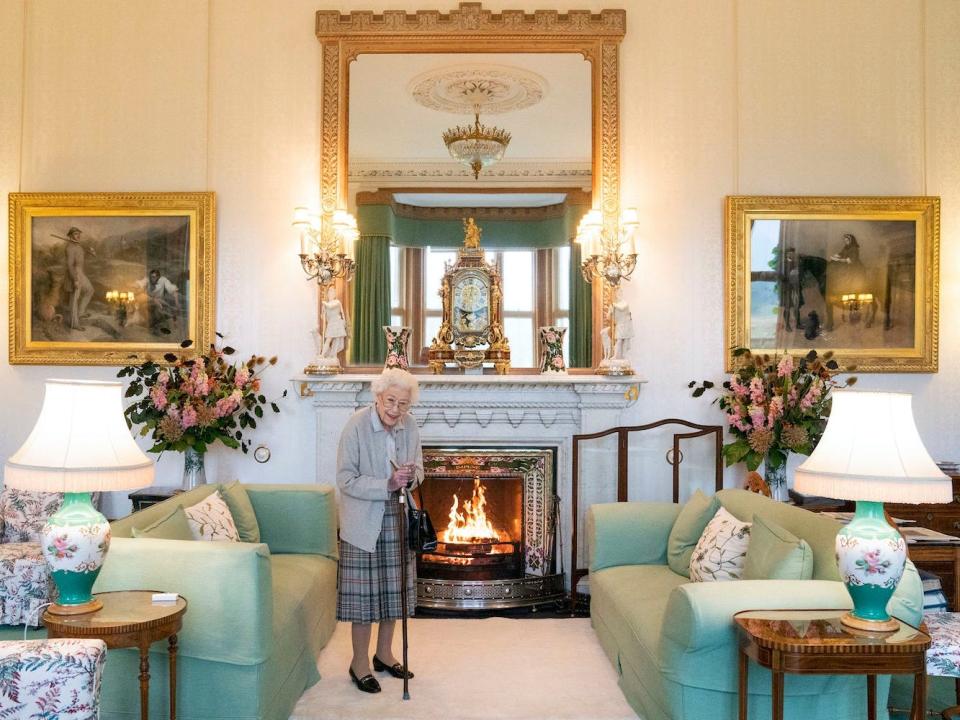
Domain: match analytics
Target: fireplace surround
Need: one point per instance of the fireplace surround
(485, 412)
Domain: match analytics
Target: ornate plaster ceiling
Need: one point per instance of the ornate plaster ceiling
(483, 88)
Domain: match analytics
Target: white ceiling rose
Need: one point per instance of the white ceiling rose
(477, 87)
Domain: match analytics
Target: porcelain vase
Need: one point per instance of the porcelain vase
(398, 338)
(75, 542)
(551, 349)
(193, 472)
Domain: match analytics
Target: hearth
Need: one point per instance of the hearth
(495, 514)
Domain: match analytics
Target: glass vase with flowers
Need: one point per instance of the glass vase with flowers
(774, 406)
(195, 400)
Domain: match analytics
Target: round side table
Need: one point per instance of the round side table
(129, 618)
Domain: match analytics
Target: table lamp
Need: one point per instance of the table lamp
(871, 452)
(80, 444)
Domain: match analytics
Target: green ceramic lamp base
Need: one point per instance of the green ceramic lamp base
(75, 543)
(871, 555)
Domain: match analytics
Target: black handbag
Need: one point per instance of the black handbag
(421, 535)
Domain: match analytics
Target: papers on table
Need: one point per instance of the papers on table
(846, 517)
(921, 535)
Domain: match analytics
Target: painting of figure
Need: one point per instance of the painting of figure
(857, 276)
(100, 278)
(110, 279)
(832, 283)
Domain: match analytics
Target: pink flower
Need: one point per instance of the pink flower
(188, 418)
(757, 392)
(241, 378)
(237, 396)
(158, 394)
(255, 385)
(739, 389)
(813, 394)
(776, 410)
(757, 416)
(550, 337)
(163, 378)
(785, 366)
(403, 361)
(558, 362)
(392, 360)
(225, 406)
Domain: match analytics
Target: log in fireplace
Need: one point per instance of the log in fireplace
(495, 510)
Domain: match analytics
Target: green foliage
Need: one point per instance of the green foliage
(775, 405)
(196, 400)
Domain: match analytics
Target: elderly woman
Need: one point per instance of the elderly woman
(379, 456)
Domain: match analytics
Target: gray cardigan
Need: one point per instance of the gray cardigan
(361, 461)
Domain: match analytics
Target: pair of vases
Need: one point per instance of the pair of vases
(551, 348)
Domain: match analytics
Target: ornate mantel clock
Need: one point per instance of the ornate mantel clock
(471, 332)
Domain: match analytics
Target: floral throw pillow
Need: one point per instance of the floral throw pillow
(25, 512)
(722, 549)
(210, 519)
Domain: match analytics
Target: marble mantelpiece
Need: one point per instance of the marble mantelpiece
(483, 411)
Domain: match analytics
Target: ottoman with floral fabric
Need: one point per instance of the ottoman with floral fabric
(51, 678)
(943, 657)
(25, 583)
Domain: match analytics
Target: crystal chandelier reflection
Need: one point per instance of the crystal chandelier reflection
(611, 256)
(326, 244)
(476, 146)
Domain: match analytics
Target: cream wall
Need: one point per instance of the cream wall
(745, 96)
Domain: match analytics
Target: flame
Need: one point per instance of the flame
(470, 525)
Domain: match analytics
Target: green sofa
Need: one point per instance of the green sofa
(258, 614)
(673, 642)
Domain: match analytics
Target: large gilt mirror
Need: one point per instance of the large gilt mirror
(393, 85)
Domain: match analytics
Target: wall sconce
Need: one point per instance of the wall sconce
(606, 255)
(326, 244)
(612, 257)
(120, 300)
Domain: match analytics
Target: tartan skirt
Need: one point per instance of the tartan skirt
(368, 583)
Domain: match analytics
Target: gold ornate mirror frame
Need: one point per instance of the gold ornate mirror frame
(471, 29)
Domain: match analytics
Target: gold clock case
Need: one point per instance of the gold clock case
(456, 342)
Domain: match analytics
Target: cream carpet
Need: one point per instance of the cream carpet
(551, 669)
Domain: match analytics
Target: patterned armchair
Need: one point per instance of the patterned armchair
(51, 678)
(25, 583)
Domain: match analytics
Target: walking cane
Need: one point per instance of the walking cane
(403, 584)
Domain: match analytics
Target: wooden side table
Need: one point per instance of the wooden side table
(151, 496)
(813, 642)
(129, 618)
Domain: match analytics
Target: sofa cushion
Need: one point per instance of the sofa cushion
(172, 526)
(721, 550)
(776, 553)
(244, 517)
(687, 529)
(819, 531)
(210, 519)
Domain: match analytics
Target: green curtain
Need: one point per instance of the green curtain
(581, 314)
(371, 300)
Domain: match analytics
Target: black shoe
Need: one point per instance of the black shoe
(396, 669)
(368, 683)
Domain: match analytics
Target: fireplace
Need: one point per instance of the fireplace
(495, 512)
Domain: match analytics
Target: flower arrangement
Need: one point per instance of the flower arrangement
(197, 400)
(775, 405)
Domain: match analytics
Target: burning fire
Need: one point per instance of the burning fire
(470, 524)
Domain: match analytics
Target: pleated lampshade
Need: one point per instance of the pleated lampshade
(80, 443)
(871, 451)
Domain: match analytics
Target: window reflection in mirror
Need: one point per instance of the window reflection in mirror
(410, 194)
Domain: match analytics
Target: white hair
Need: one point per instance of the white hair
(395, 377)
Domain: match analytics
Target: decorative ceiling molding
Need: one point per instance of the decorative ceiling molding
(487, 88)
(574, 196)
(471, 19)
(447, 173)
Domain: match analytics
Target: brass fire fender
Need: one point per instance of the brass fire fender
(528, 591)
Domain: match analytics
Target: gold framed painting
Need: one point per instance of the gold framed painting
(109, 278)
(855, 275)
